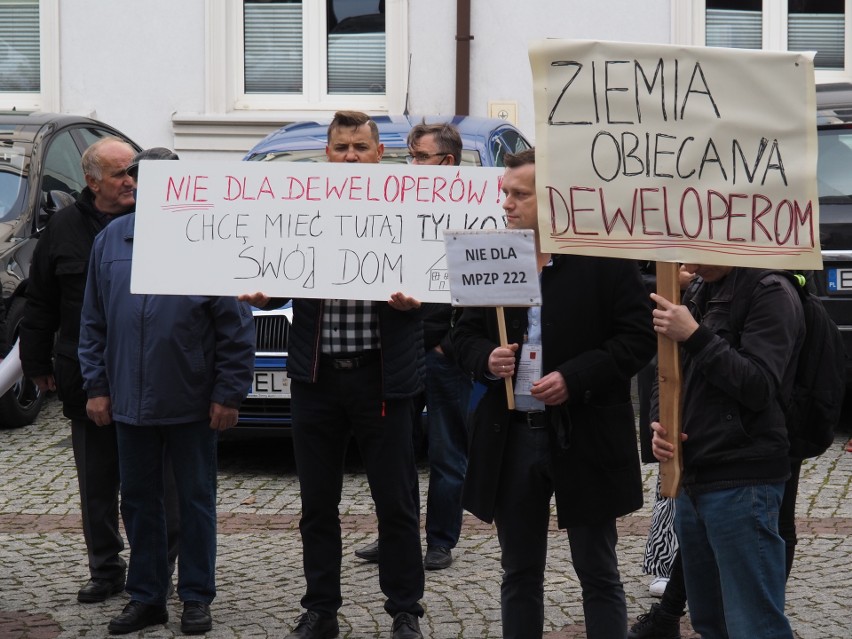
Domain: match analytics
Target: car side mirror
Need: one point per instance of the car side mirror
(54, 201)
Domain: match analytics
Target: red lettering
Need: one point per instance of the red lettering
(575, 209)
(312, 187)
(171, 187)
(732, 200)
(196, 195)
(645, 209)
(690, 191)
(755, 216)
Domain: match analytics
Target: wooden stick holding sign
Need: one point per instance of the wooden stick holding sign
(668, 364)
(504, 341)
(493, 268)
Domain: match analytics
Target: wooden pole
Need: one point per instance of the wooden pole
(668, 363)
(504, 341)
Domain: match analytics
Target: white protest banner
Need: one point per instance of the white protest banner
(492, 268)
(672, 153)
(292, 229)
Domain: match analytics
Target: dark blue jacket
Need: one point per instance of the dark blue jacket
(162, 359)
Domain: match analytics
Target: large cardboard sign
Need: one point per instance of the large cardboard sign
(688, 154)
(492, 268)
(289, 229)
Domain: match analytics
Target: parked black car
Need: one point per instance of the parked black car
(834, 177)
(40, 173)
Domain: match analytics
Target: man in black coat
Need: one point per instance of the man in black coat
(55, 291)
(572, 432)
(356, 366)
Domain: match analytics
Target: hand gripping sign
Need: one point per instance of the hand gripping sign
(676, 154)
(493, 268)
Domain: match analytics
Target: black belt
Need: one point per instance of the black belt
(350, 361)
(533, 419)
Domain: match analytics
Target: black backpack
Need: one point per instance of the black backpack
(820, 383)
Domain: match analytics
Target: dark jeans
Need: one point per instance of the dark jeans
(142, 449)
(96, 458)
(522, 516)
(447, 396)
(787, 514)
(674, 598)
(325, 413)
(733, 561)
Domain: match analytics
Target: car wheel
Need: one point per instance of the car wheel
(20, 405)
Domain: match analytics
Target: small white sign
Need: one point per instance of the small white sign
(492, 268)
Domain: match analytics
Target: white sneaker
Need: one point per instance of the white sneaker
(658, 586)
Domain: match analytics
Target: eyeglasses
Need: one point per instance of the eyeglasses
(423, 157)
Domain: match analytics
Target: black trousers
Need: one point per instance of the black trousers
(325, 414)
(522, 516)
(96, 458)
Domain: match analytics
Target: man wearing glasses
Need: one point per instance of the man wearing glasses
(447, 388)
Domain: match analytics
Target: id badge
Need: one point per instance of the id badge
(529, 370)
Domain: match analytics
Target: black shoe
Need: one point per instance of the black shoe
(196, 618)
(437, 558)
(97, 590)
(656, 624)
(370, 552)
(406, 626)
(312, 625)
(136, 616)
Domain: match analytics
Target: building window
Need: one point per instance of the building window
(818, 26)
(734, 24)
(19, 47)
(29, 55)
(779, 25)
(300, 54)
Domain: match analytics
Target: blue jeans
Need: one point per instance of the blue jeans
(447, 397)
(733, 562)
(140, 454)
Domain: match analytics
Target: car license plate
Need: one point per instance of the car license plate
(270, 384)
(839, 279)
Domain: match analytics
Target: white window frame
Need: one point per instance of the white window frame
(48, 97)
(688, 28)
(224, 50)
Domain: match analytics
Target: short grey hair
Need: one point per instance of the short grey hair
(91, 160)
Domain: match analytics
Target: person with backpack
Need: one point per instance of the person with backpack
(812, 413)
(737, 384)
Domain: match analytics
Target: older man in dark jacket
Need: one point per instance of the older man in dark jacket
(54, 300)
(572, 431)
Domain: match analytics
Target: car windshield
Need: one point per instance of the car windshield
(13, 186)
(391, 156)
(834, 167)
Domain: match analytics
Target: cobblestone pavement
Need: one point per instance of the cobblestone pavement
(259, 568)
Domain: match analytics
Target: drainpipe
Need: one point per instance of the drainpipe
(463, 38)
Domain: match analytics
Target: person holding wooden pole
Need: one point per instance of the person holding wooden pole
(735, 446)
(572, 431)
